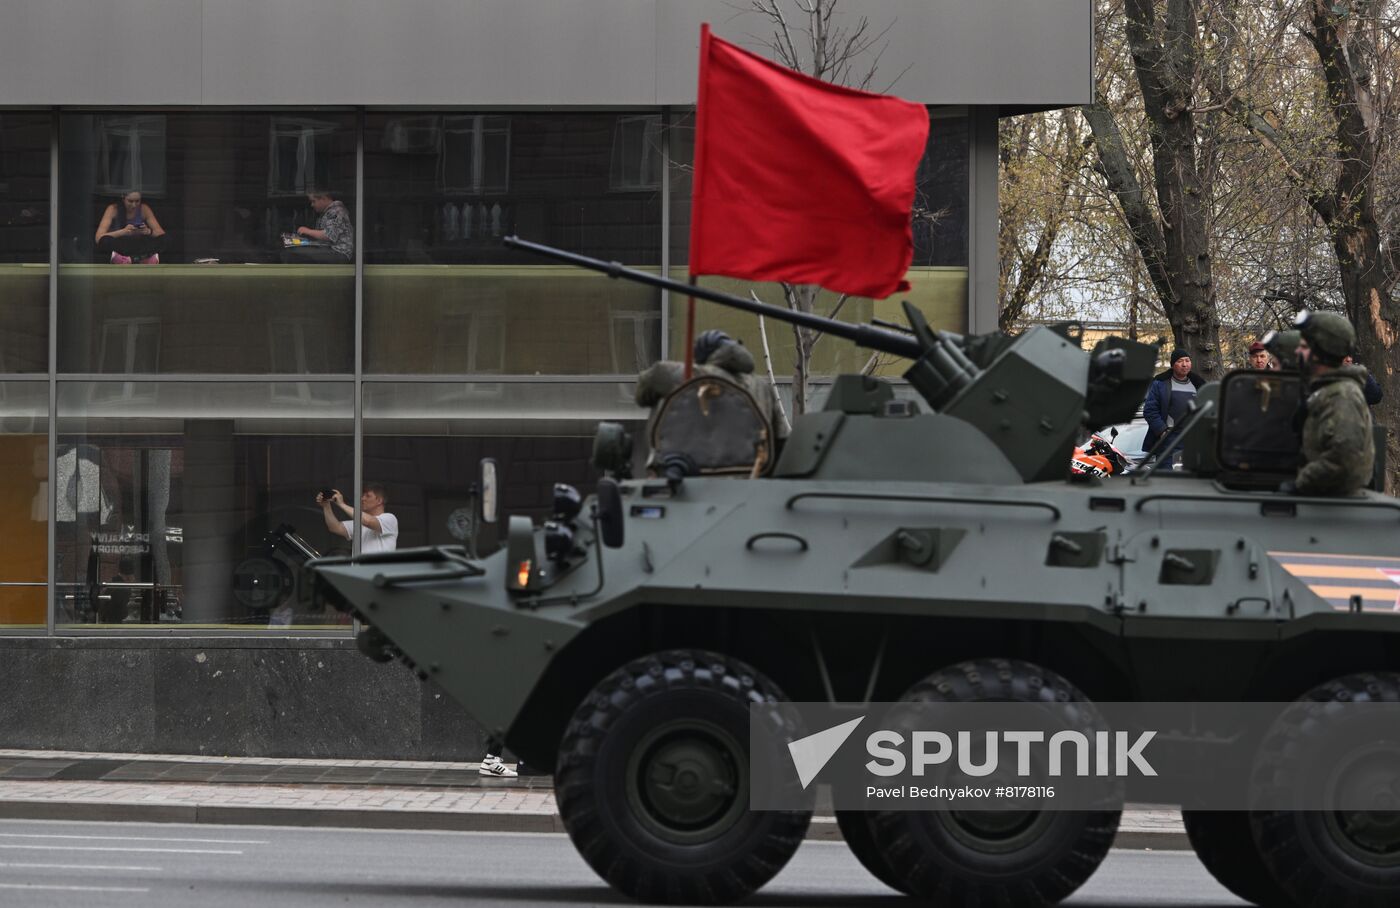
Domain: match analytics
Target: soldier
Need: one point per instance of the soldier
(1338, 450)
(1283, 347)
(718, 354)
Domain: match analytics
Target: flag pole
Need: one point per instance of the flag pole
(690, 331)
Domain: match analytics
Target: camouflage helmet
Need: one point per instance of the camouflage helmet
(1329, 335)
(708, 342)
(1284, 347)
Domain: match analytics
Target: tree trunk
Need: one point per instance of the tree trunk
(1350, 209)
(801, 298)
(1166, 72)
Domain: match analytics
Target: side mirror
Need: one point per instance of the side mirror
(610, 522)
(488, 490)
(1113, 433)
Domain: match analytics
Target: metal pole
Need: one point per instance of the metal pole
(690, 330)
(51, 605)
(358, 430)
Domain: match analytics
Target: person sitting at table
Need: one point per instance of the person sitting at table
(334, 233)
(129, 231)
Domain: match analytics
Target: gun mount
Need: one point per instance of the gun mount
(1028, 397)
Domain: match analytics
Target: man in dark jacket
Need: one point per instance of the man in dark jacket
(1373, 392)
(1169, 398)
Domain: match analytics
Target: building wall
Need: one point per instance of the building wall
(231, 697)
(502, 52)
(159, 424)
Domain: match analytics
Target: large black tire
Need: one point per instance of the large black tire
(1332, 858)
(1027, 859)
(653, 781)
(1224, 841)
(855, 826)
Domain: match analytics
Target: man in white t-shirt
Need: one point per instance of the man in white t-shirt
(381, 529)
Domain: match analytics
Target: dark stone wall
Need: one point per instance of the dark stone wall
(298, 697)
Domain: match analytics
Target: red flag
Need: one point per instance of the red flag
(800, 180)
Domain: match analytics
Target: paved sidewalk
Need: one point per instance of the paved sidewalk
(373, 794)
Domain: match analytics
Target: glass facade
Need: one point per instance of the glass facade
(178, 501)
(219, 200)
(423, 442)
(211, 274)
(24, 498)
(24, 241)
(443, 296)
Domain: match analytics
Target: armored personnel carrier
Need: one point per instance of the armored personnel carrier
(929, 549)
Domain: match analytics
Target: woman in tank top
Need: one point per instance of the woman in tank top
(130, 232)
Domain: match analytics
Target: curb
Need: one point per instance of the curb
(822, 828)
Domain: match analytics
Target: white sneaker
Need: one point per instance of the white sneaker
(491, 765)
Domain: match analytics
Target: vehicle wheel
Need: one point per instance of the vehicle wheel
(1337, 858)
(855, 826)
(1022, 858)
(653, 781)
(1224, 843)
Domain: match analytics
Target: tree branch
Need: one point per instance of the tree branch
(1123, 182)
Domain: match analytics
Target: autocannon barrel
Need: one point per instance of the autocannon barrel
(866, 336)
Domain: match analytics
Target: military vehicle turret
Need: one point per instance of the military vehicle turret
(899, 548)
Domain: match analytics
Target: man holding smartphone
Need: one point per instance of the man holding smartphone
(380, 529)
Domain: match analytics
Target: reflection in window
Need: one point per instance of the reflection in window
(636, 153)
(581, 181)
(232, 183)
(24, 241)
(298, 345)
(634, 340)
(130, 345)
(131, 154)
(941, 213)
(412, 135)
(188, 518)
(475, 157)
(297, 161)
(473, 343)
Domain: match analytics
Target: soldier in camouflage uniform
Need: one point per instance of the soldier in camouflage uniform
(717, 354)
(1338, 449)
(1283, 347)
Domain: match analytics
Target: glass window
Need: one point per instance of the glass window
(941, 216)
(24, 501)
(636, 153)
(131, 153)
(192, 505)
(234, 209)
(938, 274)
(443, 296)
(425, 446)
(24, 242)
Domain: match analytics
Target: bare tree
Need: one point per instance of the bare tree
(1357, 51)
(1173, 239)
(1040, 162)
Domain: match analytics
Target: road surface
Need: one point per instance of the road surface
(63, 864)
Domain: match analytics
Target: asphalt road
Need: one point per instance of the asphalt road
(172, 866)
